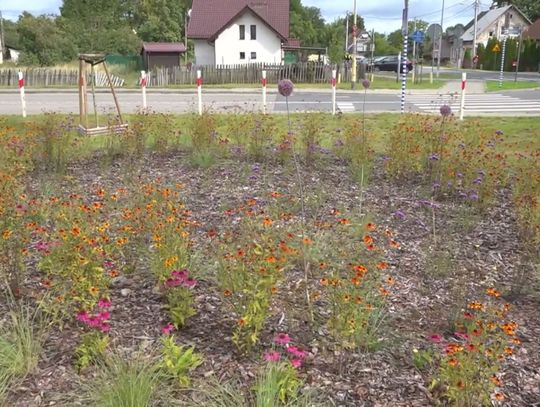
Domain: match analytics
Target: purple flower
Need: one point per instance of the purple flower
(445, 110)
(436, 185)
(399, 214)
(473, 196)
(477, 181)
(366, 83)
(167, 329)
(272, 356)
(285, 87)
(499, 132)
(434, 157)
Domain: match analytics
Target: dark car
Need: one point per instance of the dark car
(390, 64)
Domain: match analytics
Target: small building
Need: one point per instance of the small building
(239, 31)
(162, 54)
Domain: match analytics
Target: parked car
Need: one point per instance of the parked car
(390, 63)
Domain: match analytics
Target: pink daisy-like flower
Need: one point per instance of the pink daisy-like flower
(462, 335)
(173, 282)
(282, 339)
(104, 316)
(272, 356)
(299, 353)
(83, 316)
(180, 274)
(167, 329)
(104, 327)
(296, 363)
(104, 303)
(190, 282)
(436, 338)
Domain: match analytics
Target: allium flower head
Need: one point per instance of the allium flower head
(366, 83)
(445, 110)
(285, 87)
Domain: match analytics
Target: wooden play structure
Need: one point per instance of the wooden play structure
(93, 60)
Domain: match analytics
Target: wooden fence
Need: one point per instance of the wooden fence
(250, 74)
(48, 77)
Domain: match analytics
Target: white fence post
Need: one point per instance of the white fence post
(462, 103)
(199, 90)
(333, 91)
(143, 87)
(263, 81)
(21, 90)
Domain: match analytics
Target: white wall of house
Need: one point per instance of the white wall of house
(265, 48)
(515, 20)
(14, 54)
(204, 53)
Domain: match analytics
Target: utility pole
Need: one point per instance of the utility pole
(346, 32)
(2, 40)
(440, 41)
(185, 36)
(519, 52)
(473, 54)
(355, 45)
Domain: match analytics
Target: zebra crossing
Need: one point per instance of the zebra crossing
(345, 106)
(475, 103)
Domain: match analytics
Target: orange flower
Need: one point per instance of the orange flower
(475, 305)
(323, 265)
(496, 381)
(267, 221)
(157, 238)
(499, 396)
(346, 298)
(355, 281)
(94, 291)
(384, 291)
(6, 234)
(360, 269)
(274, 290)
(343, 221)
(453, 362)
(113, 273)
(275, 194)
(508, 350)
(75, 230)
(271, 259)
(371, 226)
(390, 280)
(242, 322)
(358, 300)
(307, 241)
(493, 292)
(323, 281)
(382, 265)
(368, 239)
(227, 292)
(240, 253)
(252, 202)
(394, 244)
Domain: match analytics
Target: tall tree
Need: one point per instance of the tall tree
(99, 26)
(160, 20)
(531, 8)
(42, 41)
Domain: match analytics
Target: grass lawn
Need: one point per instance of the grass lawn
(509, 84)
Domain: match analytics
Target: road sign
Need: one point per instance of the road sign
(418, 37)
(496, 48)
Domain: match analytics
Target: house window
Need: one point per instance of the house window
(242, 55)
(253, 32)
(253, 55)
(491, 33)
(242, 32)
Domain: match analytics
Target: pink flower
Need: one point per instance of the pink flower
(299, 353)
(272, 356)
(180, 274)
(104, 303)
(82, 316)
(173, 282)
(104, 316)
(436, 338)
(167, 329)
(190, 282)
(93, 322)
(296, 363)
(104, 327)
(282, 339)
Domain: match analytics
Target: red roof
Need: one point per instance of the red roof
(164, 47)
(210, 17)
(533, 31)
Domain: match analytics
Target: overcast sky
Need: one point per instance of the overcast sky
(382, 15)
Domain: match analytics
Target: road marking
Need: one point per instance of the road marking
(479, 103)
(346, 106)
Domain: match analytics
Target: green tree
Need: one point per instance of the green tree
(42, 42)
(531, 8)
(159, 20)
(99, 26)
(11, 35)
(307, 25)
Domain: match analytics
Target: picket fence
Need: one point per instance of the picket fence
(50, 77)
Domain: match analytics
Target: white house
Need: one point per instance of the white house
(238, 31)
(495, 23)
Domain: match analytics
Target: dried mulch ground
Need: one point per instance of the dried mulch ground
(471, 252)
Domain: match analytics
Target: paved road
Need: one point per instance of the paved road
(486, 75)
(502, 103)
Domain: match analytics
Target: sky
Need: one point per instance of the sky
(383, 16)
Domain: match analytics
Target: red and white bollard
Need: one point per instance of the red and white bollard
(21, 90)
(199, 90)
(334, 91)
(143, 82)
(263, 82)
(462, 102)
